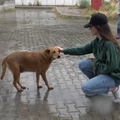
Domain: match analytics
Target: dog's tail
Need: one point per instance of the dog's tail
(4, 66)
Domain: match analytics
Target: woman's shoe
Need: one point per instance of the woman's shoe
(116, 95)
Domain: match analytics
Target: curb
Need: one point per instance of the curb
(72, 16)
(34, 7)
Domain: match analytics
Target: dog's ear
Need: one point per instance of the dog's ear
(47, 50)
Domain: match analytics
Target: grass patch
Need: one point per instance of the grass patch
(84, 4)
(110, 9)
(9, 10)
(55, 11)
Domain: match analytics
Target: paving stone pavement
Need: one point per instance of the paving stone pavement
(35, 29)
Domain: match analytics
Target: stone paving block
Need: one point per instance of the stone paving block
(69, 83)
(64, 115)
(75, 80)
(79, 103)
(58, 94)
(75, 94)
(72, 74)
(33, 118)
(23, 113)
(71, 108)
(66, 78)
(60, 80)
(89, 117)
(54, 84)
(52, 109)
(63, 86)
(78, 85)
(3, 114)
(80, 91)
(61, 104)
(51, 101)
(75, 115)
(24, 99)
(10, 118)
(31, 101)
(58, 75)
(95, 117)
(69, 101)
(64, 73)
(83, 111)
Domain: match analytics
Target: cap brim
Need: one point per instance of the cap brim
(87, 25)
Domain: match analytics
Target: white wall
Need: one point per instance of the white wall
(47, 2)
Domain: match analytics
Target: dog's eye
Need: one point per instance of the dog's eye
(54, 51)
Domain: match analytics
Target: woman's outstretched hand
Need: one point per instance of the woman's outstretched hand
(59, 48)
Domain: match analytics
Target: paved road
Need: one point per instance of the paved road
(3, 1)
(32, 30)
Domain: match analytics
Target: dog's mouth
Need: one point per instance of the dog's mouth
(56, 57)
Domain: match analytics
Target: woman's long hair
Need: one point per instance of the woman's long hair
(106, 33)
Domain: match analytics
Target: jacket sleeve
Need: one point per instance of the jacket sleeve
(111, 62)
(82, 50)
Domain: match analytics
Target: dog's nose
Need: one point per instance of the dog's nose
(58, 56)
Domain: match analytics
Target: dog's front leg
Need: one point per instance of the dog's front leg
(37, 80)
(46, 82)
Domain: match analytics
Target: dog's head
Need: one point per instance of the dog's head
(53, 52)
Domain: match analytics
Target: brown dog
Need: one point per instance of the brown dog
(38, 62)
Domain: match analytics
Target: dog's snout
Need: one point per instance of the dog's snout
(58, 56)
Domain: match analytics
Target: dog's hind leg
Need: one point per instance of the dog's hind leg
(4, 66)
(15, 81)
(37, 80)
(16, 76)
(18, 81)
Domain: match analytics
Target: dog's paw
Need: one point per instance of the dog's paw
(20, 90)
(50, 88)
(23, 87)
(39, 86)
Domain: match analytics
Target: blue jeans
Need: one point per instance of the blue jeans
(96, 84)
(118, 23)
(118, 26)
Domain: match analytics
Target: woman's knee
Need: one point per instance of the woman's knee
(85, 88)
(82, 64)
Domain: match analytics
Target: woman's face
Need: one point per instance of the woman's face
(93, 30)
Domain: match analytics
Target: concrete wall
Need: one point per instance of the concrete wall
(47, 2)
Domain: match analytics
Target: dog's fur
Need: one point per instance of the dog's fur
(38, 62)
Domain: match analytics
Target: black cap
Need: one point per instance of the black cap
(97, 19)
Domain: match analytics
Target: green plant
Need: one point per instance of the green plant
(107, 6)
(93, 12)
(84, 4)
(38, 3)
(9, 10)
(30, 4)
